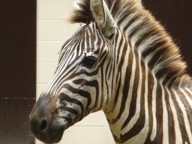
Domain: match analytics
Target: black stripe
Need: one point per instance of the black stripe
(80, 93)
(93, 83)
(179, 112)
(159, 115)
(141, 121)
(186, 104)
(150, 100)
(134, 19)
(65, 98)
(125, 88)
(134, 95)
(170, 119)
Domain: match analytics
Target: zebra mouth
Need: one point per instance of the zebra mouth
(56, 136)
(52, 135)
(47, 130)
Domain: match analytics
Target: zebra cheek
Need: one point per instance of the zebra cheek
(70, 108)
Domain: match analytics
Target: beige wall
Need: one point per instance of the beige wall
(52, 31)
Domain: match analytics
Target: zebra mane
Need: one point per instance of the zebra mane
(83, 14)
(169, 54)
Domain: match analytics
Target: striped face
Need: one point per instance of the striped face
(78, 86)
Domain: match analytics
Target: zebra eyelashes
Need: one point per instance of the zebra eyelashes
(89, 61)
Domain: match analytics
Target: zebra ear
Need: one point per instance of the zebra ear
(103, 17)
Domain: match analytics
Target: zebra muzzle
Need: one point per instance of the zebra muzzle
(44, 125)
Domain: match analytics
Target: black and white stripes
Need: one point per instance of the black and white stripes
(123, 62)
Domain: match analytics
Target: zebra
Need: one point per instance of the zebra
(122, 61)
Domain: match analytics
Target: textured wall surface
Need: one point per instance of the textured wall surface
(52, 31)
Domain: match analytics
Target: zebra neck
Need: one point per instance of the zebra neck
(147, 112)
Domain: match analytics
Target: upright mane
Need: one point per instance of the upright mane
(83, 13)
(167, 54)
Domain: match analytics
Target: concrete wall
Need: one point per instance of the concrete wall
(52, 31)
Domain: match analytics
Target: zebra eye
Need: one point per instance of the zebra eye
(89, 61)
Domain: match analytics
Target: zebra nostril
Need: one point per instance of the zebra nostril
(43, 126)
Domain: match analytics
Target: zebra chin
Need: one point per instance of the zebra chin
(53, 135)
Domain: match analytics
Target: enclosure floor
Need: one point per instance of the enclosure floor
(14, 123)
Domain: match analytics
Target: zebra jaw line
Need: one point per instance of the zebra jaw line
(123, 62)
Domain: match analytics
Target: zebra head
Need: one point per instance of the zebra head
(81, 81)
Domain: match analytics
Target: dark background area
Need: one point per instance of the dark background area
(18, 58)
(17, 69)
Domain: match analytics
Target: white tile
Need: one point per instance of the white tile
(94, 119)
(86, 135)
(57, 30)
(45, 72)
(47, 51)
(54, 9)
(39, 89)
